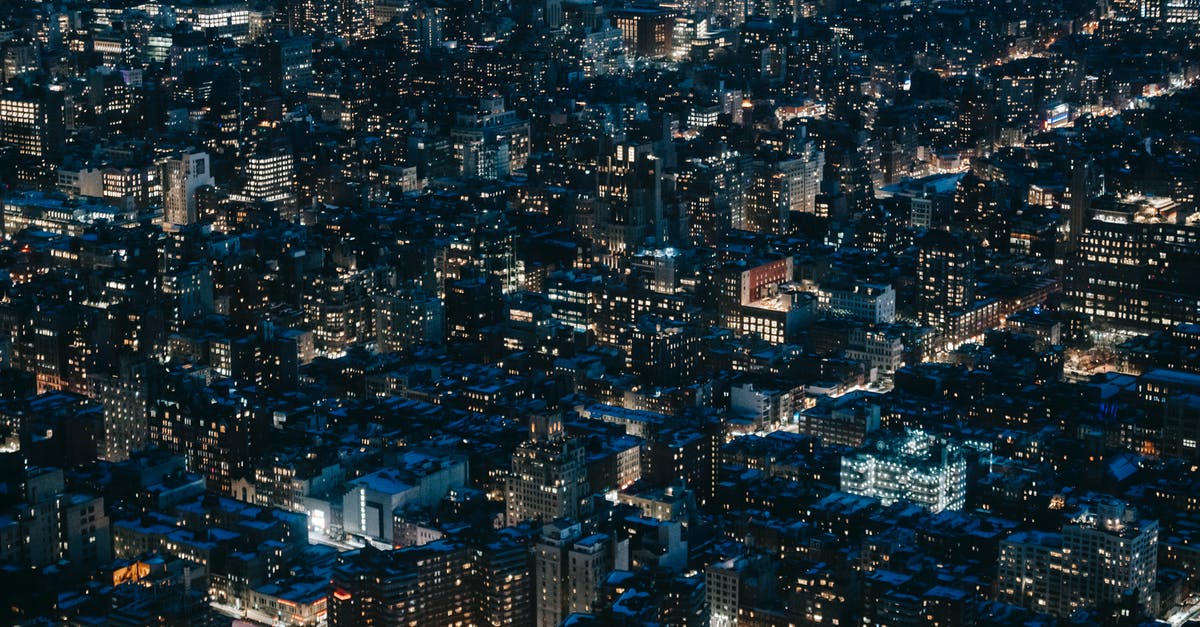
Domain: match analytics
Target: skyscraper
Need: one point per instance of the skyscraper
(1101, 554)
(505, 581)
(125, 397)
(945, 277)
(630, 190)
(551, 595)
(182, 175)
(490, 142)
(548, 479)
(1136, 263)
(569, 567)
(1086, 184)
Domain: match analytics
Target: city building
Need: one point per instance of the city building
(1101, 554)
(548, 479)
(916, 467)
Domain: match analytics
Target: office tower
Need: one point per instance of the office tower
(287, 63)
(33, 124)
(574, 298)
(552, 595)
(1136, 264)
(917, 468)
(1086, 183)
(1181, 13)
(407, 320)
(711, 193)
(182, 175)
(588, 562)
(767, 207)
(430, 585)
(216, 430)
(472, 307)
(269, 179)
(784, 184)
(945, 277)
(491, 142)
(1098, 556)
(269, 175)
(227, 19)
(648, 32)
(506, 581)
(29, 124)
(976, 121)
(126, 401)
(984, 211)
(548, 479)
(629, 187)
(806, 168)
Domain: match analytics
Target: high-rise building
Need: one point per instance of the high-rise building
(1136, 263)
(629, 187)
(548, 479)
(269, 176)
(182, 175)
(588, 562)
(472, 306)
(731, 586)
(945, 277)
(662, 352)
(491, 142)
(806, 167)
(349, 19)
(21, 125)
(1181, 13)
(1101, 554)
(33, 124)
(505, 581)
(215, 430)
(783, 182)
(1086, 184)
(432, 584)
(767, 207)
(711, 192)
(50, 524)
(222, 19)
(569, 568)
(288, 63)
(126, 402)
(917, 467)
(551, 594)
(407, 320)
(648, 31)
